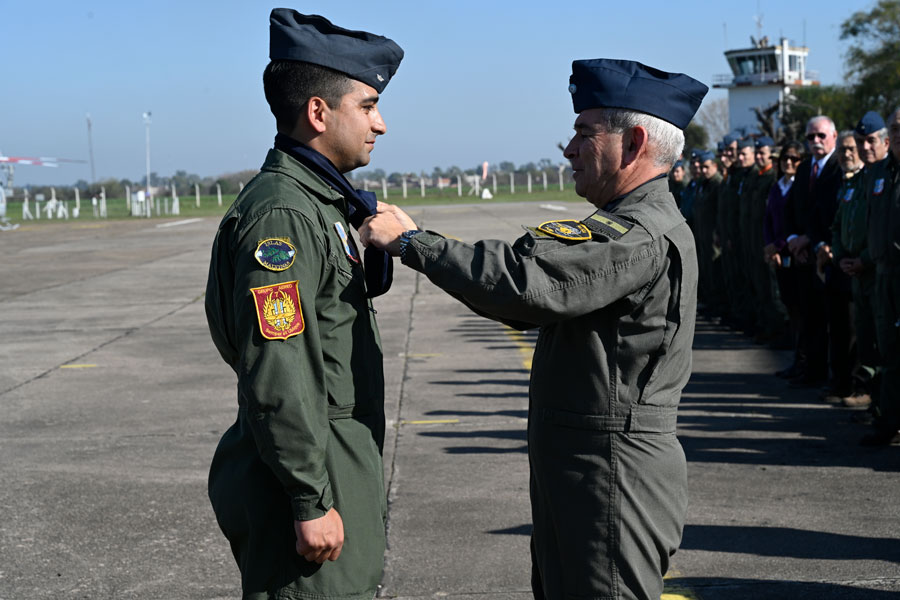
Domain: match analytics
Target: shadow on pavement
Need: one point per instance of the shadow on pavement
(755, 589)
(789, 542)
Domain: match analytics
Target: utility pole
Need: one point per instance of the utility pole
(91, 148)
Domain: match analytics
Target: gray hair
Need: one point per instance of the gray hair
(666, 140)
(820, 118)
(846, 133)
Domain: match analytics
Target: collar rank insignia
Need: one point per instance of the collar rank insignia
(278, 310)
(275, 254)
(879, 187)
(607, 224)
(345, 240)
(570, 230)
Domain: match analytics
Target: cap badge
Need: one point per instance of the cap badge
(573, 88)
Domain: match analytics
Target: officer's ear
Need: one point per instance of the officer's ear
(634, 145)
(316, 114)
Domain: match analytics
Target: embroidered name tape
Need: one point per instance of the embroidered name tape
(278, 310)
(275, 254)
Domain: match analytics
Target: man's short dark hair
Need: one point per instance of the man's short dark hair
(289, 84)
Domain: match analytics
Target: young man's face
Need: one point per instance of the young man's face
(763, 157)
(678, 174)
(746, 157)
(351, 128)
(709, 168)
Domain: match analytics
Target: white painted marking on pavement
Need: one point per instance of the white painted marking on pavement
(177, 223)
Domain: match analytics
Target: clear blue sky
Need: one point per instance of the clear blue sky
(480, 80)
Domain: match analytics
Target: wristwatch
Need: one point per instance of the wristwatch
(404, 240)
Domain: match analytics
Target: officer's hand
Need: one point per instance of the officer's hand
(402, 217)
(382, 231)
(320, 539)
(823, 256)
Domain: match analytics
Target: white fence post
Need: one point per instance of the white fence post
(459, 186)
(219, 193)
(197, 194)
(512, 183)
(529, 182)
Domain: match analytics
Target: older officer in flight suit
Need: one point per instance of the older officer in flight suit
(614, 296)
(288, 307)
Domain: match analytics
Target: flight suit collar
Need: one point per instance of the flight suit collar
(284, 164)
(656, 185)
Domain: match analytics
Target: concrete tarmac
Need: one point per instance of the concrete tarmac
(113, 399)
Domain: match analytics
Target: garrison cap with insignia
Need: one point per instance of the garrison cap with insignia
(870, 123)
(764, 141)
(707, 155)
(746, 143)
(678, 163)
(630, 85)
(363, 56)
(731, 138)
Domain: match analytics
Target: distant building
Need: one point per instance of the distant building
(760, 77)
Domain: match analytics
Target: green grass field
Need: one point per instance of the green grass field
(116, 207)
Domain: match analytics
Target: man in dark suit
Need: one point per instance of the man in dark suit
(809, 213)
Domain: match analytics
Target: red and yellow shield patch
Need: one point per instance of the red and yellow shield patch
(278, 310)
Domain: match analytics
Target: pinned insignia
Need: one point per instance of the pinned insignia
(348, 249)
(879, 187)
(571, 230)
(607, 224)
(278, 310)
(848, 195)
(275, 254)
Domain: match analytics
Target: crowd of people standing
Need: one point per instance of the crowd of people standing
(798, 246)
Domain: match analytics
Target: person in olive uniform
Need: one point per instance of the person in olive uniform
(737, 222)
(289, 309)
(614, 296)
(705, 205)
(883, 195)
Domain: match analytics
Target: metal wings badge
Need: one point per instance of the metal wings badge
(278, 310)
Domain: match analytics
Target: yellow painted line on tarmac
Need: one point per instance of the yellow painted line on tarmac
(431, 422)
(526, 350)
(676, 592)
(77, 366)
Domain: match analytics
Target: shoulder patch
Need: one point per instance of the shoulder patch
(607, 224)
(275, 254)
(278, 310)
(568, 229)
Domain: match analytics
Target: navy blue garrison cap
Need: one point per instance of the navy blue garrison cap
(707, 155)
(611, 83)
(765, 140)
(870, 123)
(678, 163)
(746, 143)
(363, 56)
(731, 138)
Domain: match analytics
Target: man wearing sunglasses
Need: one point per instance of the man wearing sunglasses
(809, 214)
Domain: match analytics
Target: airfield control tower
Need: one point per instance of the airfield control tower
(762, 76)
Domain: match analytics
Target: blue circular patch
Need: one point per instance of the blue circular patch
(275, 254)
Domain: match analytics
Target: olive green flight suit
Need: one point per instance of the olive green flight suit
(848, 240)
(883, 194)
(310, 423)
(616, 316)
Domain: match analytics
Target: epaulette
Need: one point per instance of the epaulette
(607, 224)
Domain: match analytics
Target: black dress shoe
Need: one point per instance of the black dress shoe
(884, 437)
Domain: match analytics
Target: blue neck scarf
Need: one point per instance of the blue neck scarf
(379, 268)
